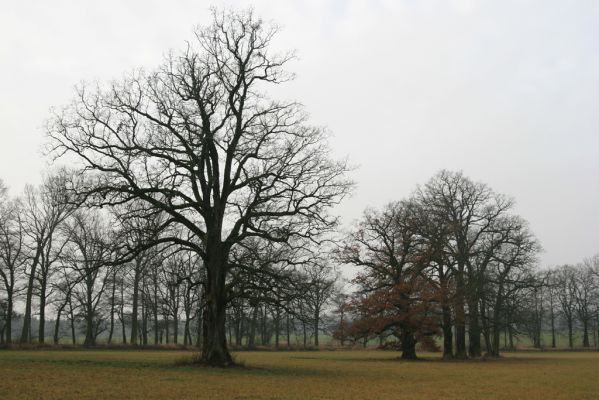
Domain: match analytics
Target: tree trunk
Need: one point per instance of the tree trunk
(447, 332)
(585, 333)
(112, 307)
(186, 338)
(9, 314)
(474, 347)
(552, 327)
(89, 328)
(252, 336)
(316, 321)
(199, 326)
(72, 316)
(155, 311)
(408, 344)
(496, 322)
(570, 334)
(167, 328)
(288, 329)
(485, 326)
(239, 326)
(277, 327)
(123, 331)
(57, 324)
(176, 327)
(26, 332)
(305, 335)
(42, 323)
(214, 349)
(134, 322)
(144, 319)
(460, 318)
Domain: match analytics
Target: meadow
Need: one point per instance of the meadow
(368, 374)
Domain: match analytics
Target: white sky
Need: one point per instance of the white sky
(507, 91)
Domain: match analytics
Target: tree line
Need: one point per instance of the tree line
(68, 262)
(455, 261)
(197, 202)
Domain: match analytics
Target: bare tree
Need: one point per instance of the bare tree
(319, 288)
(566, 296)
(470, 210)
(584, 287)
(89, 256)
(45, 209)
(510, 271)
(13, 255)
(199, 140)
(63, 288)
(139, 225)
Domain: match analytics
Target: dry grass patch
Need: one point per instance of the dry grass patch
(295, 375)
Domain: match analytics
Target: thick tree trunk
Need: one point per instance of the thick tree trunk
(447, 332)
(408, 345)
(214, 349)
(89, 328)
(585, 333)
(474, 347)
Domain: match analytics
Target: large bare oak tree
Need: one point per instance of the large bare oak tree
(199, 139)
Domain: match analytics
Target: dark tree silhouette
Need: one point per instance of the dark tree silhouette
(199, 140)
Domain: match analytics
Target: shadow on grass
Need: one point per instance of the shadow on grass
(241, 368)
(185, 364)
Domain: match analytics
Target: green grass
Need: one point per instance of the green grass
(99, 374)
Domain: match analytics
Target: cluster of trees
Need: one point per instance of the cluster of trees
(566, 300)
(200, 206)
(72, 262)
(450, 260)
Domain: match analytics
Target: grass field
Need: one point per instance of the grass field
(295, 375)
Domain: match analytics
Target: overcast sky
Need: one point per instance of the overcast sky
(507, 91)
